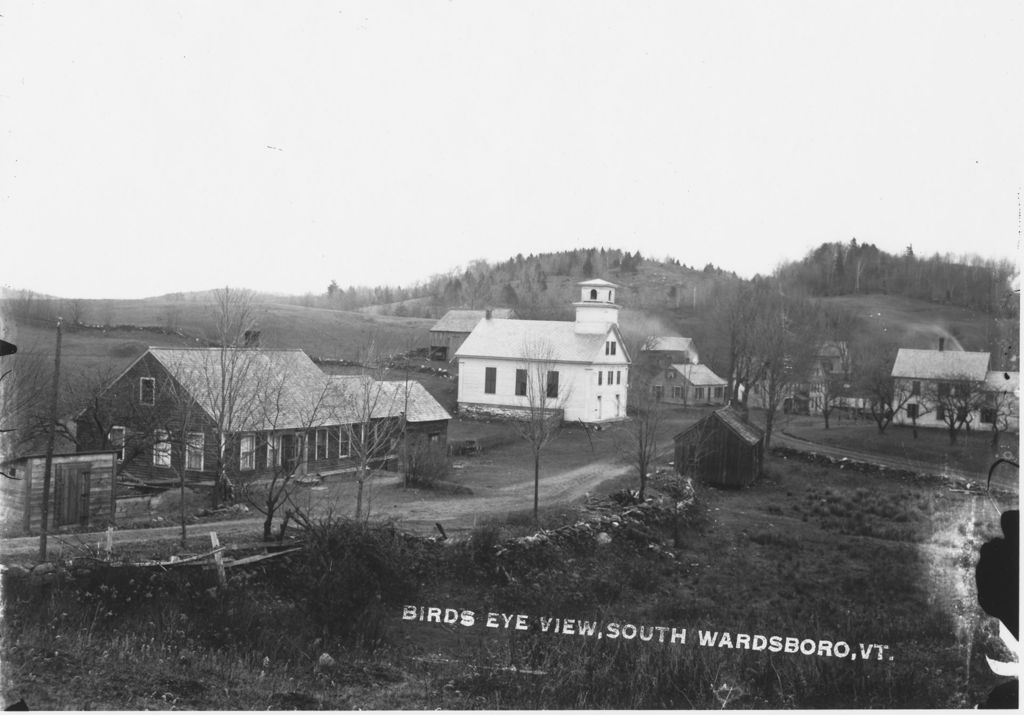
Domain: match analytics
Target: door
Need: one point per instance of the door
(289, 452)
(71, 496)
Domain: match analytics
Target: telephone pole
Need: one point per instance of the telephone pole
(44, 511)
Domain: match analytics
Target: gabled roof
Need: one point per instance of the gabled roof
(733, 421)
(597, 283)
(555, 340)
(699, 374)
(1002, 381)
(463, 321)
(940, 364)
(284, 389)
(669, 344)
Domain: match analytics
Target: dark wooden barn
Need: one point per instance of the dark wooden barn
(81, 492)
(721, 449)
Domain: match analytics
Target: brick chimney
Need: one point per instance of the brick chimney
(942, 344)
(487, 314)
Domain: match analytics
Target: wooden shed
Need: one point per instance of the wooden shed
(82, 492)
(722, 449)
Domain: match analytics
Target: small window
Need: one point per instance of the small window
(552, 383)
(943, 390)
(618, 377)
(940, 412)
(659, 392)
(613, 347)
(116, 440)
(698, 394)
(609, 347)
(247, 452)
(320, 450)
(194, 442)
(490, 379)
(593, 293)
(988, 415)
(915, 387)
(520, 382)
(161, 449)
(669, 374)
(610, 373)
(332, 443)
(718, 392)
(147, 390)
(600, 375)
(434, 437)
(677, 392)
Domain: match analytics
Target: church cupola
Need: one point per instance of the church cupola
(596, 308)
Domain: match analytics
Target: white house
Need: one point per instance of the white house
(932, 382)
(583, 364)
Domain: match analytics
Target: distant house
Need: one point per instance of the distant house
(585, 363)
(160, 415)
(454, 327)
(929, 382)
(82, 492)
(689, 384)
(722, 449)
(670, 350)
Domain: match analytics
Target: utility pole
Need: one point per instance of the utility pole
(44, 511)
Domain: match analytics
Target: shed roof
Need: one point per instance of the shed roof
(555, 340)
(463, 321)
(733, 421)
(670, 344)
(940, 364)
(699, 374)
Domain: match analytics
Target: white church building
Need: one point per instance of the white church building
(583, 364)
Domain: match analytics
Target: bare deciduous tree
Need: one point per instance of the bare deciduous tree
(544, 399)
(647, 415)
(955, 401)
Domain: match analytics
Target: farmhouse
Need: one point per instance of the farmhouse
(82, 491)
(454, 327)
(689, 384)
(934, 383)
(279, 412)
(722, 449)
(580, 368)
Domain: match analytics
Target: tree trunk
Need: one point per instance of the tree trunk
(825, 413)
(268, 524)
(536, 487)
(359, 497)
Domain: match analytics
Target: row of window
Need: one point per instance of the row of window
(325, 443)
(678, 392)
(612, 374)
(491, 382)
(988, 415)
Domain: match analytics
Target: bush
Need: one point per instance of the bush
(350, 572)
(425, 464)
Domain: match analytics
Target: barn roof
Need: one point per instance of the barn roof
(940, 364)
(699, 375)
(670, 344)
(284, 389)
(555, 340)
(732, 421)
(463, 321)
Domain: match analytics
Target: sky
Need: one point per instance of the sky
(155, 147)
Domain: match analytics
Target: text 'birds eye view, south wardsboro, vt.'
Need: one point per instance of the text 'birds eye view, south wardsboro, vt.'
(422, 356)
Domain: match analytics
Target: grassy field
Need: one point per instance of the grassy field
(972, 453)
(807, 552)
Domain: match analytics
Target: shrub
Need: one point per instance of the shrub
(425, 464)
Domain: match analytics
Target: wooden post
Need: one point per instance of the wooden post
(110, 541)
(218, 558)
(44, 511)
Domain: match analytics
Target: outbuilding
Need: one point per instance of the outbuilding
(82, 492)
(721, 449)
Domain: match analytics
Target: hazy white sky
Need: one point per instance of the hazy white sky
(149, 147)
